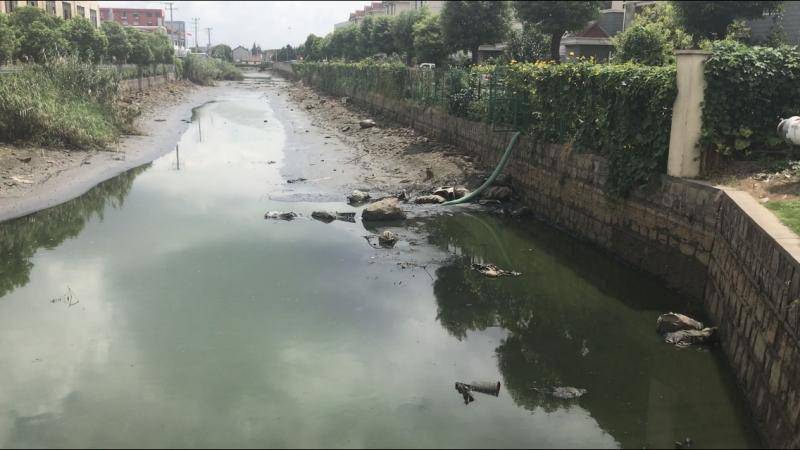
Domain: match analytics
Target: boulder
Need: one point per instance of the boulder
(367, 123)
(422, 199)
(323, 216)
(386, 209)
(357, 197)
(672, 322)
(685, 338)
(501, 193)
(387, 239)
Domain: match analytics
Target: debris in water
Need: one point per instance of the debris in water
(466, 390)
(69, 298)
(387, 239)
(423, 199)
(450, 192)
(367, 123)
(672, 322)
(685, 338)
(492, 271)
(562, 392)
(21, 180)
(347, 128)
(277, 215)
(687, 443)
(296, 180)
(328, 217)
(25, 160)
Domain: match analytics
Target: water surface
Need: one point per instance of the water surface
(161, 309)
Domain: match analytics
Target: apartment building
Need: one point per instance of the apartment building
(176, 30)
(65, 9)
(394, 8)
(133, 17)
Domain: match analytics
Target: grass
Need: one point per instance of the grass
(788, 211)
(66, 104)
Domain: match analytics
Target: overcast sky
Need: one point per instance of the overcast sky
(270, 24)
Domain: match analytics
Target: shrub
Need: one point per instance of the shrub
(643, 44)
(204, 71)
(748, 90)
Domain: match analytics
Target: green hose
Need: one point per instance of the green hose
(492, 177)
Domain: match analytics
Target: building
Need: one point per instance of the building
(176, 30)
(241, 54)
(133, 17)
(595, 41)
(788, 19)
(66, 10)
(394, 8)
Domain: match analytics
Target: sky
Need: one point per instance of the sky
(269, 24)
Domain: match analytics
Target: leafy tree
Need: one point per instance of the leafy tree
(141, 54)
(643, 44)
(39, 34)
(428, 43)
(84, 40)
(366, 44)
(738, 31)
(160, 47)
(556, 18)
(313, 47)
(711, 19)
(402, 31)
(8, 40)
(664, 15)
(344, 43)
(118, 46)
(468, 24)
(221, 51)
(381, 35)
(528, 45)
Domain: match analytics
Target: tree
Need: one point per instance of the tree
(664, 15)
(161, 48)
(345, 43)
(381, 35)
(118, 46)
(428, 43)
(8, 40)
(221, 51)
(402, 31)
(39, 36)
(711, 19)
(468, 24)
(84, 40)
(556, 18)
(140, 53)
(313, 47)
(528, 45)
(643, 44)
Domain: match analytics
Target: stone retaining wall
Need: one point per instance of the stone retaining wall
(697, 238)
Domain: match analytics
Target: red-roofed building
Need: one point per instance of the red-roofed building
(133, 17)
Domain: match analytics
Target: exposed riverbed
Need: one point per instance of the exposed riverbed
(162, 310)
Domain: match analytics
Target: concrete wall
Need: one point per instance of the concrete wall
(719, 247)
(144, 83)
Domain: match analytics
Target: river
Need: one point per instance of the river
(162, 310)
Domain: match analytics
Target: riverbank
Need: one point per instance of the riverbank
(32, 179)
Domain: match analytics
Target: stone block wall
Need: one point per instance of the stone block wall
(697, 238)
(144, 83)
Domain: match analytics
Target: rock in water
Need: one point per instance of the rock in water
(367, 123)
(422, 199)
(672, 322)
(387, 239)
(277, 215)
(685, 338)
(501, 193)
(323, 216)
(386, 209)
(357, 197)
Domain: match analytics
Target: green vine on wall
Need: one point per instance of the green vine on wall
(622, 112)
(748, 90)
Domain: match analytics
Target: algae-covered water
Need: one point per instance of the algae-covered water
(162, 310)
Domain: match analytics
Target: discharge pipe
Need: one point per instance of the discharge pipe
(492, 177)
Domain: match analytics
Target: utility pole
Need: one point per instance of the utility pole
(195, 21)
(208, 47)
(171, 28)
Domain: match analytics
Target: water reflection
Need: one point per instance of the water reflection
(587, 324)
(20, 239)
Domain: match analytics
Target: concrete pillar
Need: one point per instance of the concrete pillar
(687, 115)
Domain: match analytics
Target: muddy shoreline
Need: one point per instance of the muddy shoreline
(34, 179)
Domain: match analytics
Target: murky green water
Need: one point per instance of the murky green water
(162, 310)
